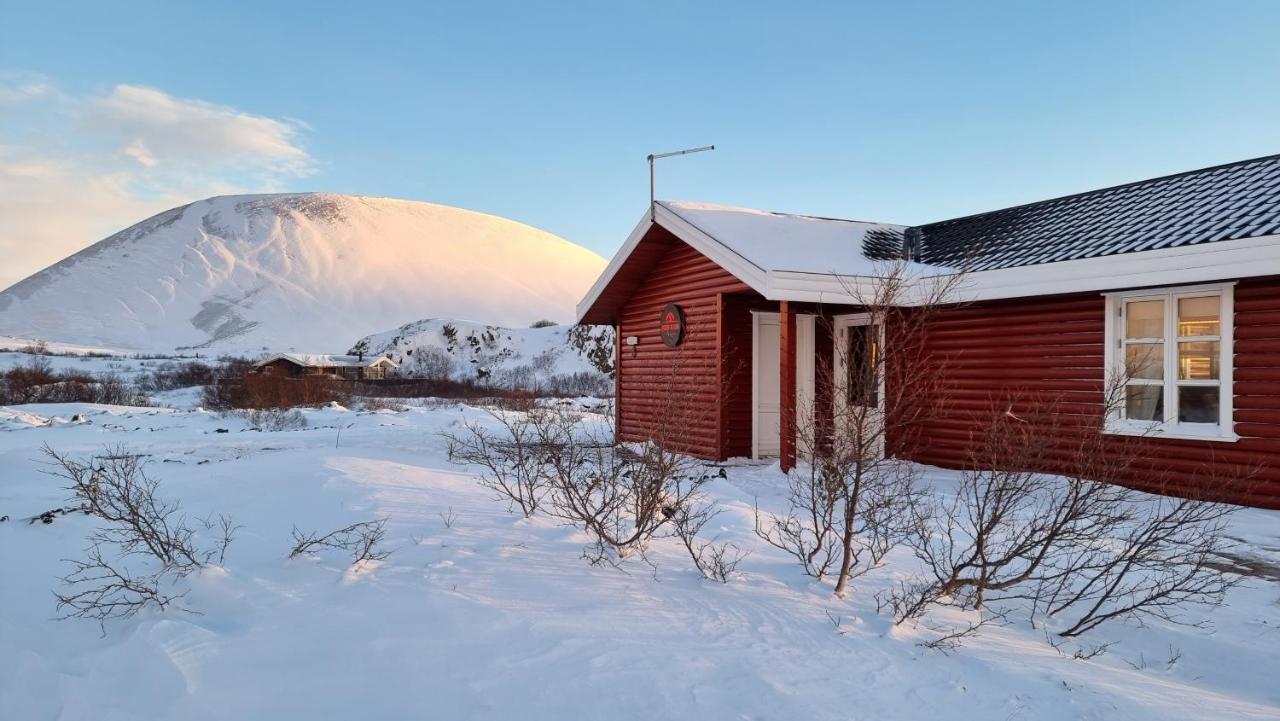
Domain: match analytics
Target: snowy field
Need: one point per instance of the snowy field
(480, 614)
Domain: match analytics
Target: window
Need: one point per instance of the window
(1171, 350)
(862, 360)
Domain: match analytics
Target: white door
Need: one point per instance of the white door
(859, 380)
(767, 382)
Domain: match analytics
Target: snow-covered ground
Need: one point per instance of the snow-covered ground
(497, 617)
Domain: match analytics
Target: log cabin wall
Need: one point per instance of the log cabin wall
(675, 391)
(1053, 347)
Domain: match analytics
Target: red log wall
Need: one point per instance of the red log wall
(678, 390)
(1054, 345)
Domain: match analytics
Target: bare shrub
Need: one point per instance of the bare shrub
(513, 459)
(268, 391)
(22, 383)
(853, 503)
(1078, 548)
(362, 540)
(433, 363)
(38, 382)
(273, 419)
(372, 404)
(172, 376)
(807, 529)
(138, 525)
(449, 517)
(716, 561)
(621, 496)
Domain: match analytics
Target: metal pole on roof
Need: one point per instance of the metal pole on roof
(655, 156)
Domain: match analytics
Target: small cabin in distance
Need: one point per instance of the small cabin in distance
(348, 367)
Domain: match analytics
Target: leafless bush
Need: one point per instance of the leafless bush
(138, 525)
(807, 530)
(620, 496)
(714, 560)
(949, 639)
(38, 382)
(361, 539)
(449, 517)
(171, 376)
(513, 459)
(433, 363)
(1078, 548)
(268, 391)
(273, 419)
(376, 403)
(853, 502)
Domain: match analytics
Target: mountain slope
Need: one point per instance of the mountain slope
(298, 271)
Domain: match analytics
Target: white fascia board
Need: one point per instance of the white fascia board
(721, 254)
(1206, 262)
(1220, 260)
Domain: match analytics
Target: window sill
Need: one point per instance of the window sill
(1175, 433)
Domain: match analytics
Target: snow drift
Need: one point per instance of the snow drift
(297, 272)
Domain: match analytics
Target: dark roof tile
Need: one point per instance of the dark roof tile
(1227, 202)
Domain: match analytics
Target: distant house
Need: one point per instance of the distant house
(1172, 283)
(298, 365)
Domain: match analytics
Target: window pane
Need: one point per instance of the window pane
(1144, 403)
(862, 365)
(1144, 360)
(1198, 361)
(1144, 319)
(1198, 404)
(1198, 316)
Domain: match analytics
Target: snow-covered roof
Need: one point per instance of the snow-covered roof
(1211, 224)
(780, 256)
(785, 242)
(325, 360)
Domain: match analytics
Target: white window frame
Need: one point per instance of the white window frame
(1114, 358)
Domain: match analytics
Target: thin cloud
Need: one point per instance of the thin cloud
(75, 169)
(183, 130)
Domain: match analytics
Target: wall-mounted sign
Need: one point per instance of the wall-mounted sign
(671, 325)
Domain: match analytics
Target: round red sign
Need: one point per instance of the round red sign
(671, 325)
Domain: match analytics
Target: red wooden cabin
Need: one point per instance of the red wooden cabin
(349, 367)
(1056, 297)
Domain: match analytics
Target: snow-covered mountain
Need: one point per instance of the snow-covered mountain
(520, 357)
(306, 272)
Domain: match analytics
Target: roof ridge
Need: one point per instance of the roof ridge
(721, 206)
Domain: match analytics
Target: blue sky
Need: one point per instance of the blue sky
(892, 111)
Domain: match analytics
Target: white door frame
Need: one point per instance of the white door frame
(805, 327)
(840, 325)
